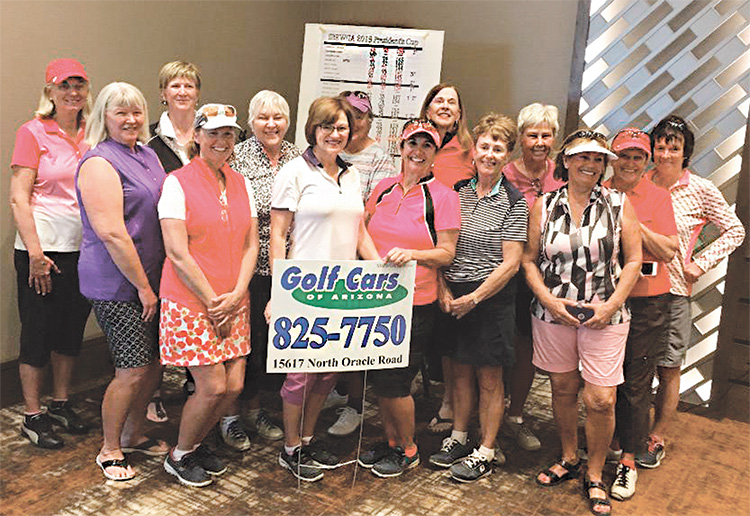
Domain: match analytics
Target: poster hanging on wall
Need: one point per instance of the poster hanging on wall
(395, 67)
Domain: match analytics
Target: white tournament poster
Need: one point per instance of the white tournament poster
(395, 67)
(339, 316)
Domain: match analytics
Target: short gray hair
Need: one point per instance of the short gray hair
(115, 94)
(266, 99)
(538, 114)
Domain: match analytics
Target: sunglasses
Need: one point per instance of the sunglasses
(586, 133)
(418, 123)
(633, 133)
(217, 110)
(359, 94)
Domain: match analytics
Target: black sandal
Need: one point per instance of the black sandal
(571, 472)
(595, 502)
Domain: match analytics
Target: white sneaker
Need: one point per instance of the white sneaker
(347, 422)
(335, 399)
(624, 484)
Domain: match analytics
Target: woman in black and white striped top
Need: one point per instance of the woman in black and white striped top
(478, 290)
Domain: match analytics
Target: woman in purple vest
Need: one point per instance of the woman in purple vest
(122, 253)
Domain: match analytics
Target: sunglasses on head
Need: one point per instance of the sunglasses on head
(633, 133)
(218, 109)
(586, 133)
(421, 123)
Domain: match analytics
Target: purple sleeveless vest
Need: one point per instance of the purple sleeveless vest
(141, 175)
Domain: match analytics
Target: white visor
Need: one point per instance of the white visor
(590, 146)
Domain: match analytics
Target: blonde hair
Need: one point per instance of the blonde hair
(175, 69)
(498, 127)
(46, 108)
(266, 99)
(538, 114)
(115, 94)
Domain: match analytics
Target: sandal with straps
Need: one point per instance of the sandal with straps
(117, 463)
(571, 472)
(596, 501)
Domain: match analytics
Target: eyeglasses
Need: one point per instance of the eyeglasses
(677, 124)
(329, 128)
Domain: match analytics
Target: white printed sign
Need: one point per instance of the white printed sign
(339, 316)
(395, 67)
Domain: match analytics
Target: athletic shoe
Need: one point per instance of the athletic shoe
(450, 452)
(38, 428)
(265, 427)
(347, 422)
(234, 436)
(624, 485)
(524, 437)
(335, 399)
(300, 465)
(62, 413)
(471, 468)
(321, 457)
(395, 463)
(369, 458)
(187, 470)
(652, 457)
(212, 464)
(612, 457)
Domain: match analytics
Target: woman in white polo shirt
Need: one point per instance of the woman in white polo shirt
(320, 194)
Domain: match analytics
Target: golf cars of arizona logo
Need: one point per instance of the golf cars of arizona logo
(327, 289)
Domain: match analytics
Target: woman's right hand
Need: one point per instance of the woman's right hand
(40, 269)
(150, 303)
(267, 312)
(556, 306)
(445, 296)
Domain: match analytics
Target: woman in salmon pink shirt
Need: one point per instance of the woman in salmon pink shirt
(43, 200)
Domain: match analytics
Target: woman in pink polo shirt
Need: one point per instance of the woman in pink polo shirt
(209, 223)
(43, 200)
(411, 217)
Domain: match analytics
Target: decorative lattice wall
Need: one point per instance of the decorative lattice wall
(646, 59)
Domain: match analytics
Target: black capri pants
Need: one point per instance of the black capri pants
(54, 322)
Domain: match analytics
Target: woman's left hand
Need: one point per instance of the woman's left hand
(463, 305)
(603, 313)
(398, 256)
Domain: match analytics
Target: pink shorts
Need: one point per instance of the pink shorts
(560, 349)
(298, 385)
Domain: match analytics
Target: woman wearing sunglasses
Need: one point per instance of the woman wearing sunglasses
(411, 217)
(209, 223)
(578, 314)
(318, 196)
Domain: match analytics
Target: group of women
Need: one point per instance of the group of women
(178, 270)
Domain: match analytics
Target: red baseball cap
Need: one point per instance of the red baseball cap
(631, 138)
(423, 126)
(60, 69)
